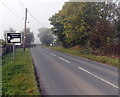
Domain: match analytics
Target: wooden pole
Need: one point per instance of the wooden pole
(25, 30)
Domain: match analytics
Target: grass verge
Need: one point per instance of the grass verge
(18, 78)
(0, 70)
(102, 59)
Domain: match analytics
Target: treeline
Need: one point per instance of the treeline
(95, 26)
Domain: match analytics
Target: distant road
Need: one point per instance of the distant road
(64, 74)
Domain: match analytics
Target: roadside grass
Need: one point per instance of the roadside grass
(18, 78)
(0, 73)
(102, 59)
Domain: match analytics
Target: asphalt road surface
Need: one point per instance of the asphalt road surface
(65, 74)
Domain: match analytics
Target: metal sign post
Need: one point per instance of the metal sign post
(14, 53)
(14, 38)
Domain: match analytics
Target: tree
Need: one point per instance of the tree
(29, 37)
(10, 30)
(64, 24)
(46, 37)
(92, 25)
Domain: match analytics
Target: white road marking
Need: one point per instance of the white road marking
(64, 60)
(99, 78)
(52, 54)
(60, 57)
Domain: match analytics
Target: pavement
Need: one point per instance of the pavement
(65, 74)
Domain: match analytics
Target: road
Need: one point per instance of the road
(65, 74)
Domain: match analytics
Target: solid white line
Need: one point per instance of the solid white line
(64, 60)
(98, 77)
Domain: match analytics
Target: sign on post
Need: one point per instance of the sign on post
(14, 38)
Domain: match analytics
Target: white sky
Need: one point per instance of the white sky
(41, 9)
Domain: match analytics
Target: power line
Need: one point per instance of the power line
(9, 6)
(35, 18)
(13, 12)
(22, 4)
(10, 9)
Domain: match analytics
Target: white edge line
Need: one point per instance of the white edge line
(99, 78)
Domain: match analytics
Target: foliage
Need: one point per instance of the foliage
(94, 25)
(29, 37)
(46, 37)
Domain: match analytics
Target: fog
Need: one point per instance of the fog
(13, 12)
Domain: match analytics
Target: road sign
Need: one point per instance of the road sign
(14, 38)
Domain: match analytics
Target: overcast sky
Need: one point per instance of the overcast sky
(12, 13)
(41, 9)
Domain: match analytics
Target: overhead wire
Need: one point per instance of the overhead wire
(9, 6)
(10, 9)
(23, 6)
(35, 19)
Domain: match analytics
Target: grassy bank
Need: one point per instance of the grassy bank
(102, 59)
(18, 78)
(0, 70)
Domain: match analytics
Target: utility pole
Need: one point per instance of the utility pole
(25, 30)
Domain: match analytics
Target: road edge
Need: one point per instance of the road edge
(40, 89)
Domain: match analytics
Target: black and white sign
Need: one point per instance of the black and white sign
(14, 38)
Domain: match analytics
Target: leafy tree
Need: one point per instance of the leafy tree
(92, 25)
(29, 37)
(46, 37)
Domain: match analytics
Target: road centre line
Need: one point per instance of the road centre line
(60, 57)
(52, 54)
(99, 78)
(89, 73)
(64, 60)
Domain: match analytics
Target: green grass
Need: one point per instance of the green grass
(18, 78)
(0, 75)
(102, 59)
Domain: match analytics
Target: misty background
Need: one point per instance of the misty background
(13, 13)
